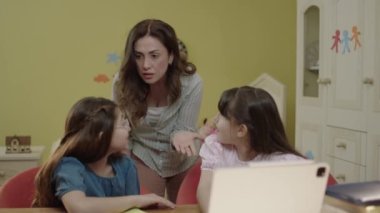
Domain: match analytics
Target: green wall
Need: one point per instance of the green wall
(51, 50)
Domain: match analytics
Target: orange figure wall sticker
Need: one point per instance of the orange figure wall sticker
(355, 37)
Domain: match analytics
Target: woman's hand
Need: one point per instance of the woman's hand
(183, 141)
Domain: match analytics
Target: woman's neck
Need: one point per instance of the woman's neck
(158, 95)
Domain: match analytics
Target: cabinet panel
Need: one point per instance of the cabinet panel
(346, 172)
(372, 68)
(377, 164)
(345, 96)
(373, 157)
(346, 77)
(311, 137)
(346, 144)
(310, 114)
(376, 69)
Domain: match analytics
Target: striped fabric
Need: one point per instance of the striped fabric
(150, 140)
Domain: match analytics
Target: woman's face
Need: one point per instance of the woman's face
(152, 59)
(120, 134)
(227, 131)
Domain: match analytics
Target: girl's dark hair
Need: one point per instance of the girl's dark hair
(88, 133)
(255, 108)
(131, 90)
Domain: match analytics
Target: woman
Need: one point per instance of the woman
(161, 94)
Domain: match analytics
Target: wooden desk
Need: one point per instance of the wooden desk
(178, 209)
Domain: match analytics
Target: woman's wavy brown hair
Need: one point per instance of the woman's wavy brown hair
(88, 133)
(131, 90)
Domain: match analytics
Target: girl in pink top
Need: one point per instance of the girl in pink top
(248, 128)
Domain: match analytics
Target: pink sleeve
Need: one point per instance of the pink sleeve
(210, 152)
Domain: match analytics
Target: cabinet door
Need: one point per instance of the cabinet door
(372, 85)
(346, 96)
(373, 157)
(347, 154)
(310, 114)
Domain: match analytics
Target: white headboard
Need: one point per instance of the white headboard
(276, 89)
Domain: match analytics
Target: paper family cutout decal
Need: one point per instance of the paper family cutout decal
(346, 40)
(112, 58)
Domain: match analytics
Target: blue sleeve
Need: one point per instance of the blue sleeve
(69, 176)
(131, 178)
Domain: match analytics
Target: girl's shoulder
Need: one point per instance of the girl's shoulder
(124, 163)
(71, 161)
(70, 165)
(279, 157)
(212, 141)
(216, 155)
(288, 157)
(211, 146)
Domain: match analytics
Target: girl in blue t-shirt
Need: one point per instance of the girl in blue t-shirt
(88, 172)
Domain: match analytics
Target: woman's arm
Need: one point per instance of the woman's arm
(188, 112)
(187, 138)
(185, 126)
(77, 201)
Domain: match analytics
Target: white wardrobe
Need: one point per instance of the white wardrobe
(338, 86)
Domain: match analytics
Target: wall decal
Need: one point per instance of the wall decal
(101, 78)
(355, 37)
(111, 58)
(346, 40)
(336, 41)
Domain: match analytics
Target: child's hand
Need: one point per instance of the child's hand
(208, 127)
(183, 141)
(148, 200)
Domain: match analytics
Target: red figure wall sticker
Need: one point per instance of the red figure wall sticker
(355, 37)
(336, 41)
(346, 40)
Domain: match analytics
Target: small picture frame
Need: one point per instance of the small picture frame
(18, 144)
